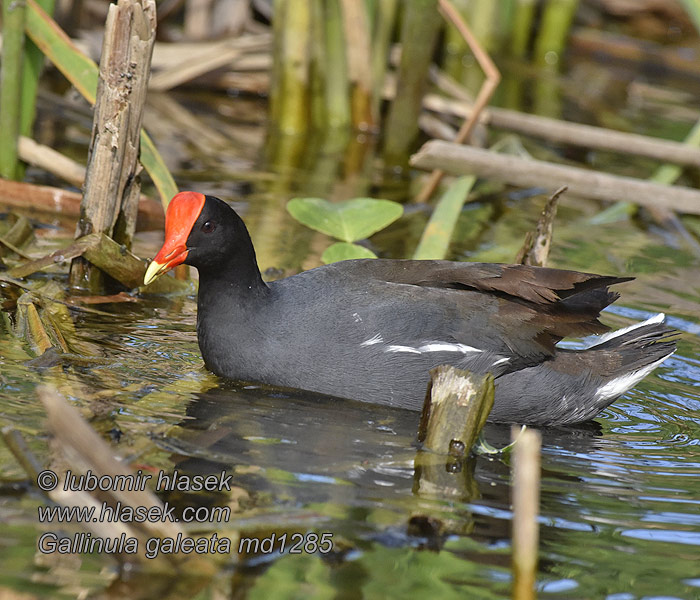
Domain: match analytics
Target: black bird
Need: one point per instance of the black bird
(372, 329)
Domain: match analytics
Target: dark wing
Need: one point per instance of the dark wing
(538, 304)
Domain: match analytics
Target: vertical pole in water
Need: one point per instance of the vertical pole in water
(112, 187)
(526, 501)
(419, 31)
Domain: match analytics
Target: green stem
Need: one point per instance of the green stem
(337, 85)
(522, 27)
(419, 31)
(436, 237)
(294, 71)
(381, 40)
(33, 62)
(13, 17)
(556, 22)
(456, 46)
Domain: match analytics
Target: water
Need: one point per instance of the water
(620, 499)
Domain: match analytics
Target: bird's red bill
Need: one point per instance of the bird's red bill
(183, 211)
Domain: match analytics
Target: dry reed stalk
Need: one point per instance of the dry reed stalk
(462, 160)
(493, 77)
(526, 503)
(357, 51)
(112, 186)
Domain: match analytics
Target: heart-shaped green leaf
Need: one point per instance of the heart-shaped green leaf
(348, 221)
(344, 251)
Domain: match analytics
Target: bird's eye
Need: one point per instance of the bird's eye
(208, 227)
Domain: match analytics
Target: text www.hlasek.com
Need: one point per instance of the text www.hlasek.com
(132, 514)
(118, 512)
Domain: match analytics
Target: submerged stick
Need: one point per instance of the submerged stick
(526, 501)
(455, 410)
(463, 160)
(535, 249)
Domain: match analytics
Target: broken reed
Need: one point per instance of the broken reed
(526, 502)
(112, 184)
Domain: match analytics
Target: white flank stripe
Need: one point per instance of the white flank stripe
(402, 349)
(613, 334)
(500, 361)
(377, 339)
(434, 347)
(618, 386)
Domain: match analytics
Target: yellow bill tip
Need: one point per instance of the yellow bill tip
(154, 271)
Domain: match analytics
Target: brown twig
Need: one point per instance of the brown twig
(493, 77)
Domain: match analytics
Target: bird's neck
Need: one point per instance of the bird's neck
(237, 281)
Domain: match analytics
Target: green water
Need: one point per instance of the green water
(620, 503)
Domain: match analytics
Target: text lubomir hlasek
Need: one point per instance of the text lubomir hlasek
(137, 481)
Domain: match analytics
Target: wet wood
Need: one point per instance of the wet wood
(463, 160)
(60, 256)
(112, 258)
(112, 185)
(535, 249)
(526, 502)
(66, 204)
(20, 450)
(455, 410)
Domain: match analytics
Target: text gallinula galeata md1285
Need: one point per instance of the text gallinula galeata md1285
(372, 329)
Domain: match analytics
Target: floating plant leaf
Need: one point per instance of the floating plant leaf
(345, 251)
(348, 221)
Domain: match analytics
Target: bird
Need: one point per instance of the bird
(372, 329)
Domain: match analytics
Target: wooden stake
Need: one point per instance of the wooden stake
(112, 186)
(455, 410)
(526, 502)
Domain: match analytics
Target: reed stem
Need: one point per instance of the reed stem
(292, 98)
(557, 18)
(337, 87)
(419, 31)
(13, 18)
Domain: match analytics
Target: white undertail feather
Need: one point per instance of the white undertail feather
(618, 332)
(618, 386)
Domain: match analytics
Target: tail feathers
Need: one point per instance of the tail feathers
(640, 348)
(633, 333)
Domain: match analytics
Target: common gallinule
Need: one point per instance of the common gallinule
(372, 329)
